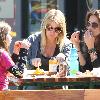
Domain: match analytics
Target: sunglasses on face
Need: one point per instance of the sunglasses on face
(56, 29)
(92, 24)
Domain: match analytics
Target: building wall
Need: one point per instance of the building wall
(70, 8)
(17, 26)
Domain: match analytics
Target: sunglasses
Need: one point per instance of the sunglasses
(92, 24)
(56, 29)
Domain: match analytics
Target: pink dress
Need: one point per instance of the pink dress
(5, 63)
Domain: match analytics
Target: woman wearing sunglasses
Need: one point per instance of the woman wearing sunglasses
(89, 48)
(50, 41)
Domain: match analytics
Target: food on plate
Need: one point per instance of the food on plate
(39, 71)
(86, 74)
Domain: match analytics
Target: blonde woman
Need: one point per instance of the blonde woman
(50, 41)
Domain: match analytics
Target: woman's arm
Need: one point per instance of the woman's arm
(95, 57)
(82, 60)
(76, 41)
(34, 39)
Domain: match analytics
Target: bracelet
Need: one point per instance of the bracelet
(93, 56)
(79, 50)
(92, 50)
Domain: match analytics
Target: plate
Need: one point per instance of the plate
(33, 73)
(42, 76)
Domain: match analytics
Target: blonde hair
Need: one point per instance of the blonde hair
(5, 29)
(58, 17)
(5, 25)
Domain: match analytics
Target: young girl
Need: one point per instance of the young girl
(6, 62)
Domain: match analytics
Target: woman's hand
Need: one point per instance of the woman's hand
(89, 39)
(60, 57)
(75, 39)
(36, 62)
(25, 44)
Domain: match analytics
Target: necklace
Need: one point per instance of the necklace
(49, 51)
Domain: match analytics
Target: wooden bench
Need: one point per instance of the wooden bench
(92, 94)
(72, 94)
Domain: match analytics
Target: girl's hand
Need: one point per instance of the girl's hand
(21, 44)
(17, 47)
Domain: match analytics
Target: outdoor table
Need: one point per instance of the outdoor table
(90, 82)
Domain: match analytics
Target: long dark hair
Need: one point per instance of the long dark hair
(92, 12)
(97, 43)
(97, 14)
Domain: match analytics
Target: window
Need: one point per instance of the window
(37, 10)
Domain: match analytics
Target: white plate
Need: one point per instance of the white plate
(42, 76)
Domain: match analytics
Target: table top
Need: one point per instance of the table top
(58, 81)
(52, 81)
(62, 79)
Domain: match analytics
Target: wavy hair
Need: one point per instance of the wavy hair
(93, 12)
(58, 17)
(97, 14)
(4, 30)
